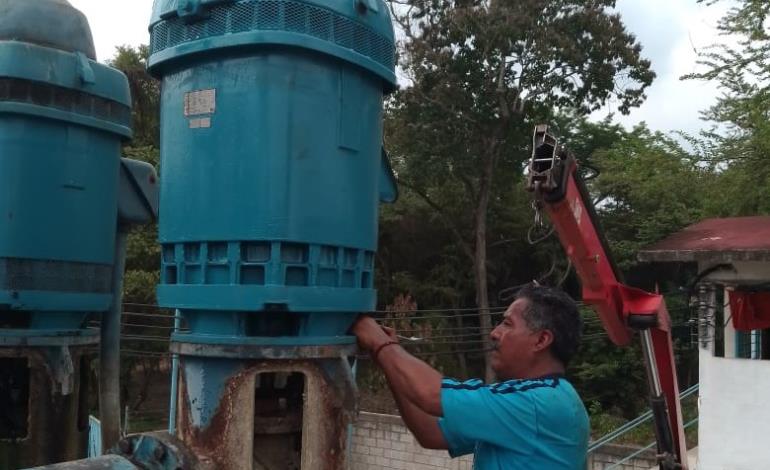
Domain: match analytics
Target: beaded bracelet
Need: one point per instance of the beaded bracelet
(381, 347)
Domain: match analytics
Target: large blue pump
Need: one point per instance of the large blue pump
(272, 163)
(273, 170)
(63, 118)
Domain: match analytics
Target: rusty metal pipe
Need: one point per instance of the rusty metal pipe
(109, 360)
(174, 379)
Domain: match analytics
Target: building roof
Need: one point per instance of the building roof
(718, 240)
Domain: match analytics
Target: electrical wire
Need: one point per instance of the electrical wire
(139, 325)
(541, 238)
(148, 315)
(566, 273)
(491, 311)
(439, 336)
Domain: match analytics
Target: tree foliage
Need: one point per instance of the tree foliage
(477, 76)
(481, 73)
(739, 142)
(145, 94)
(648, 188)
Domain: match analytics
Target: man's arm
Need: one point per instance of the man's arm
(408, 377)
(412, 379)
(424, 426)
(415, 385)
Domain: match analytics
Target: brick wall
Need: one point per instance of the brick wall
(609, 454)
(382, 442)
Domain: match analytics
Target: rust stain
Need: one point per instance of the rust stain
(226, 443)
(335, 425)
(212, 442)
(56, 428)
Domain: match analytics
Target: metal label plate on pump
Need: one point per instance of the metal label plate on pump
(200, 103)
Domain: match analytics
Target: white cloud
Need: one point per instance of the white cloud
(116, 23)
(671, 32)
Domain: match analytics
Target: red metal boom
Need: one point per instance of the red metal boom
(623, 310)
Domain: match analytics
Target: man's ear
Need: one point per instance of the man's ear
(544, 340)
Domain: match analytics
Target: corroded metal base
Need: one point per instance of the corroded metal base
(44, 404)
(267, 414)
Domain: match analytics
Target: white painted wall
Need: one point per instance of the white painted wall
(734, 416)
(742, 272)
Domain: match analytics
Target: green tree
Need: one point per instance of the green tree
(648, 187)
(481, 73)
(145, 94)
(611, 380)
(739, 142)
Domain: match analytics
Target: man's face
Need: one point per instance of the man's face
(515, 344)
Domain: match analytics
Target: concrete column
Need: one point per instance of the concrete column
(729, 330)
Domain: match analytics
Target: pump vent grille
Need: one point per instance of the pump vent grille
(18, 274)
(276, 15)
(64, 99)
(266, 263)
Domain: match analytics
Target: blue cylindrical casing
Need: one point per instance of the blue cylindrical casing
(63, 117)
(272, 168)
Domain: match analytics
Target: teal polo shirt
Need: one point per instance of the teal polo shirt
(529, 424)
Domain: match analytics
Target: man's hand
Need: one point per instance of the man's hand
(371, 334)
(415, 385)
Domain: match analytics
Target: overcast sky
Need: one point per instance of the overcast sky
(670, 32)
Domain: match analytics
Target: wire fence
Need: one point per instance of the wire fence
(439, 336)
(420, 329)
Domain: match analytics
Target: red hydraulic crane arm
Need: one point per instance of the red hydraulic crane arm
(623, 310)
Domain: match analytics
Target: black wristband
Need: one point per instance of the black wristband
(381, 347)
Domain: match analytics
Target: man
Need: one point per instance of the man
(531, 419)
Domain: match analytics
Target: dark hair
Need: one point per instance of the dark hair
(552, 309)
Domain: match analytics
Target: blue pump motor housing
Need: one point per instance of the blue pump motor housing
(272, 162)
(63, 117)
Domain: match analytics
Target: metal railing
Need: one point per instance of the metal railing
(633, 424)
(643, 449)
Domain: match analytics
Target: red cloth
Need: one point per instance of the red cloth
(750, 310)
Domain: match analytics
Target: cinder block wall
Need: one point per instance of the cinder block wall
(382, 442)
(607, 455)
